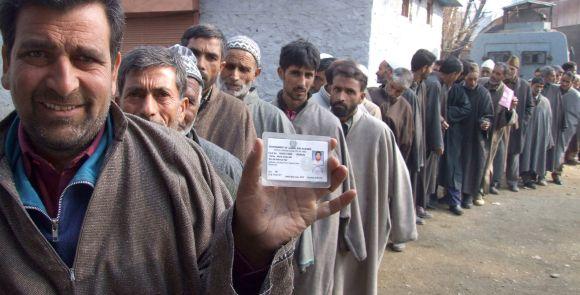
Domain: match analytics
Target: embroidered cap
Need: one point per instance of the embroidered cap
(189, 60)
(247, 44)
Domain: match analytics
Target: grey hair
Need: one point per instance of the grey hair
(402, 77)
(503, 66)
(546, 70)
(142, 58)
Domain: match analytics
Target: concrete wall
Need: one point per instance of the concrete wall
(341, 28)
(365, 30)
(395, 37)
(5, 100)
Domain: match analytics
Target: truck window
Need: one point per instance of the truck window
(499, 56)
(534, 57)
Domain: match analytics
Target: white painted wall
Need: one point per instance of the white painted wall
(365, 30)
(396, 38)
(5, 100)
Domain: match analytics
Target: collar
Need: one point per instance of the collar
(88, 172)
(288, 112)
(324, 94)
(252, 96)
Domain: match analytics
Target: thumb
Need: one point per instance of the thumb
(253, 165)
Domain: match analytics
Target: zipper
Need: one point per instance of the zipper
(54, 222)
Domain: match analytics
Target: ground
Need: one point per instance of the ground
(518, 243)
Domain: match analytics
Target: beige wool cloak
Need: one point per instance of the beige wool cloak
(338, 233)
(226, 121)
(385, 200)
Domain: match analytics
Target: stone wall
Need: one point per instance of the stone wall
(341, 28)
(5, 101)
(365, 30)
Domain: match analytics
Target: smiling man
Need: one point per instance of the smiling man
(96, 201)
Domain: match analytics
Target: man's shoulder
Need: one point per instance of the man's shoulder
(212, 150)
(230, 101)
(159, 140)
(373, 127)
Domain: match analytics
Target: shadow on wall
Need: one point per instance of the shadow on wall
(5, 100)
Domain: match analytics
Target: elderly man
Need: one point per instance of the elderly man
(382, 178)
(538, 138)
(319, 248)
(503, 118)
(96, 201)
(144, 73)
(524, 110)
(221, 119)
(476, 136)
(486, 68)
(242, 65)
(457, 110)
(397, 112)
(554, 95)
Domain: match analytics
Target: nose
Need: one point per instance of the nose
(149, 108)
(63, 79)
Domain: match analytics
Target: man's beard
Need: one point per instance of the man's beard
(79, 134)
(341, 110)
(240, 94)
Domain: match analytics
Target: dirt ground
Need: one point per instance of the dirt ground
(518, 243)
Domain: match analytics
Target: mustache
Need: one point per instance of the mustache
(300, 88)
(49, 95)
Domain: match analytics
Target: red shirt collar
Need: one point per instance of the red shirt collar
(48, 182)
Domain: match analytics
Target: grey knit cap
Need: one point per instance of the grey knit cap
(189, 60)
(247, 44)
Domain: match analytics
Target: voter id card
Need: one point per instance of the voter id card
(294, 160)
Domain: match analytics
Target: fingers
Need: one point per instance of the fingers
(333, 144)
(328, 208)
(337, 176)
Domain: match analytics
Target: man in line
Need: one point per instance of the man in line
(221, 119)
(318, 248)
(320, 78)
(538, 138)
(476, 136)
(434, 102)
(89, 195)
(571, 102)
(503, 118)
(486, 68)
(421, 66)
(457, 110)
(397, 112)
(553, 93)
(242, 65)
(322, 95)
(151, 86)
(523, 92)
(382, 178)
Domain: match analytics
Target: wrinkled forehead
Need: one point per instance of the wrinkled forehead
(82, 27)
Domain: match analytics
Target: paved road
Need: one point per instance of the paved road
(518, 243)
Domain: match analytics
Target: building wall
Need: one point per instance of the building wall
(395, 37)
(365, 30)
(5, 100)
(341, 28)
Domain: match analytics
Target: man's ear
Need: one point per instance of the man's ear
(5, 67)
(115, 73)
(182, 107)
(258, 72)
(280, 73)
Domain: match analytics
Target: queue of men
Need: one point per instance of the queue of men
(141, 173)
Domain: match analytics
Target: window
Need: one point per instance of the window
(499, 56)
(429, 11)
(406, 8)
(534, 57)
